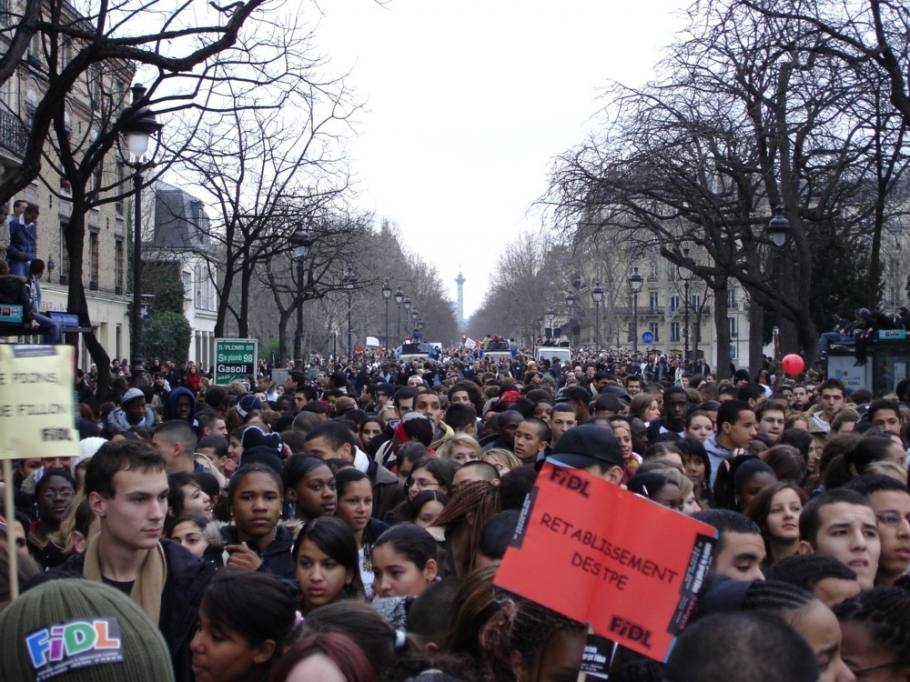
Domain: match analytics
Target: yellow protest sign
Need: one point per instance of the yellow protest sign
(37, 416)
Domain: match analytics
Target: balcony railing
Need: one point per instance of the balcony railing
(13, 134)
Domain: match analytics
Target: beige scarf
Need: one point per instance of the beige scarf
(149, 584)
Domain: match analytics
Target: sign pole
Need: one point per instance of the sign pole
(10, 510)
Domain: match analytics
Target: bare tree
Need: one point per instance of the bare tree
(266, 167)
(736, 125)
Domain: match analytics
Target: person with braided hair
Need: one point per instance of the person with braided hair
(544, 645)
(876, 629)
(472, 505)
(814, 621)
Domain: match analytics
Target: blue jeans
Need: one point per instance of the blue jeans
(51, 329)
(19, 267)
(828, 338)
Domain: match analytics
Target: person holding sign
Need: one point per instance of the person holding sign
(591, 448)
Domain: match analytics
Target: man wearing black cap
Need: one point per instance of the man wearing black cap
(578, 398)
(591, 448)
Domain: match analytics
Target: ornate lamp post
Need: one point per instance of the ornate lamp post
(386, 296)
(597, 293)
(139, 125)
(779, 230)
(399, 299)
(570, 302)
(349, 280)
(302, 242)
(635, 283)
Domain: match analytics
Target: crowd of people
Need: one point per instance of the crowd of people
(347, 524)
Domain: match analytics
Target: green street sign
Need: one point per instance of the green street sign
(235, 359)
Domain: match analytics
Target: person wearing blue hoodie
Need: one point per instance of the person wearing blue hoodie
(181, 404)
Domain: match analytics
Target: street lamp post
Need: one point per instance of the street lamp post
(302, 241)
(570, 302)
(407, 309)
(551, 315)
(138, 126)
(349, 281)
(597, 293)
(635, 283)
(685, 274)
(779, 230)
(386, 295)
(399, 299)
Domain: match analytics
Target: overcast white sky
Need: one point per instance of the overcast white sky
(468, 102)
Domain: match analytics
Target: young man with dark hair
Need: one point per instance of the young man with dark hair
(462, 418)
(771, 416)
(176, 441)
(736, 427)
(831, 395)
(51, 328)
(633, 384)
(751, 393)
(885, 414)
(740, 550)
(475, 470)
(211, 424)
(459, 395)
(23, 240)
(841, 523)
(891, 503)
(593, 449)
(746, 647)
(531, 438)
(830, 580)
(333, 440)
(675, 409)
(126, 487)
(562, 418)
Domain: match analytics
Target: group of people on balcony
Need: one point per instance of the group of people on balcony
(21, 272)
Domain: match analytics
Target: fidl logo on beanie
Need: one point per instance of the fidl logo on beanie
(77, 644)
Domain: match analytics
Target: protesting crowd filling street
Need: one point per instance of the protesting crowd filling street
(389, 341)
(466, 518)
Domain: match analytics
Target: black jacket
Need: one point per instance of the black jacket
(277, 558)
(13, 291)
(186, 579)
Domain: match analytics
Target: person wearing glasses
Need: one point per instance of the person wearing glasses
(54, 493)
(891, 504)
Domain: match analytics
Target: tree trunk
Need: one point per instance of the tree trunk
(74, 242)
(756, 335)
(246, 274)
(721, 328)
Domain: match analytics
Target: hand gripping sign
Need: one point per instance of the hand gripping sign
(628, 567)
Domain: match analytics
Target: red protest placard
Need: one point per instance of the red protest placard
(601, 555)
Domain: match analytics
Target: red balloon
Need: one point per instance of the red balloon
(793, 364)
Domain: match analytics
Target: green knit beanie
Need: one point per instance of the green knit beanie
(73, 630)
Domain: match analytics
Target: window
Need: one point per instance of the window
(64, 253)
(674, 303)
(187, 278)
(94, 257)
(94, 86)
(118, 266)
(674, 332)
(652, 271)
(731, 300)
(734, 332)
(118, 176)
(653, 300)
(33, 56)
(696, 301)
(654, 327)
